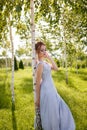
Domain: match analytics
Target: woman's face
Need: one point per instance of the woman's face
(42, 52)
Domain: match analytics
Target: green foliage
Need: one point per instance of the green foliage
(83, 65)
(3, 62)
(58, 63)
(15, 64)
(20, 51)
(78, 65)
(21, 65)
(48, 10)
(18, 8)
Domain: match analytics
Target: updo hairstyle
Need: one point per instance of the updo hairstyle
(38, 46)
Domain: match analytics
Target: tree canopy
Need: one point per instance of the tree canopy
(66, 16)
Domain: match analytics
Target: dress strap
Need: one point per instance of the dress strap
(40, 62)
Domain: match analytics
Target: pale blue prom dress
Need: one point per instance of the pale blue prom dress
(55, 114)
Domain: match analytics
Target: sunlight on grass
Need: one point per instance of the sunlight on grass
(22, 117)
(74, 94)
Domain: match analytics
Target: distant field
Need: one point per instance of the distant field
(74, 94)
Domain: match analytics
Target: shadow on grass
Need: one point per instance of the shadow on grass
(60, 77)
(5, 96)
(27, 85)
(81, 74)
(14, 123)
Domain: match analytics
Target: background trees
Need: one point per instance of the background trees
(50, 16)
(21, 66)
(62, 25)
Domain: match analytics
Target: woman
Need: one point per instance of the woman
(55, 114)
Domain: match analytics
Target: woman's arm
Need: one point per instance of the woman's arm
(38, 82)
(53, 64)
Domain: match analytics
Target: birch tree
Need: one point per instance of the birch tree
(33, 43)
(7, 8)
(12, 48)
(37, 111)
(63, 40)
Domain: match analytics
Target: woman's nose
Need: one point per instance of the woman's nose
(44, 52)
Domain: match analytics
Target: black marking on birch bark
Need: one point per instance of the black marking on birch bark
(33, 89)
(33, 74)
(31, 7)
(34, 67)
(33, 58)
(34, 83)
(31, 24)
(33, 43)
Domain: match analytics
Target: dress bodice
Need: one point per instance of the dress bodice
(47, 81)
(46, 74)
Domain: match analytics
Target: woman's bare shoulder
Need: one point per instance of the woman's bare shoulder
(39, 66)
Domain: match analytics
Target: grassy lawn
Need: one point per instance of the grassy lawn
(22, 118)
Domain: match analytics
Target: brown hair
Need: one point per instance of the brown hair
(38, 46)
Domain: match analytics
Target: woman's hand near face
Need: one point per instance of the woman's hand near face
(53, 64)
(47, 55)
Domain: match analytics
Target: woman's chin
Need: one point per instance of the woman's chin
(44, 56)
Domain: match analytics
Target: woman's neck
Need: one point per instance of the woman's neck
(40, 59)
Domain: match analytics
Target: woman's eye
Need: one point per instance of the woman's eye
(42, 50)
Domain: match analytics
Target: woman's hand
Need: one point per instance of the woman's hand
(53, 64)
(47, 55)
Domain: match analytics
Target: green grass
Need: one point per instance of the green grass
(74, 94)
(22, 118)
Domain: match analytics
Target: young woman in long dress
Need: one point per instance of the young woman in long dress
(54, 112)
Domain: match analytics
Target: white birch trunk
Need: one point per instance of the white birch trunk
(62, 31)
(66, 72)
(33, 44)
(12, 48)
(37, 111)
(6, 62)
